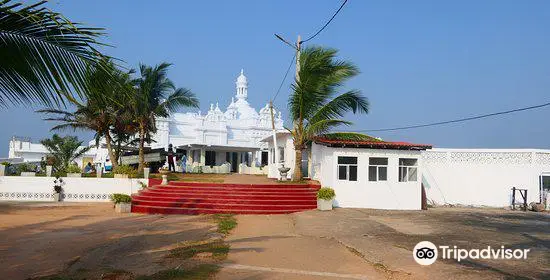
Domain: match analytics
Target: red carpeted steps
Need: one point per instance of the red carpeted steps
(211, 198)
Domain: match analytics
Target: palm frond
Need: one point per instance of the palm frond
(321, 127)
(350, 101)
(44, 55)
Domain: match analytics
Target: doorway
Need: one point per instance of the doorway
(234, 161)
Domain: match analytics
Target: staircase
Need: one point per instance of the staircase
(194, 198)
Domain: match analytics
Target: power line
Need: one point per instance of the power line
(457, 120)
(284, 78)
(326, 24)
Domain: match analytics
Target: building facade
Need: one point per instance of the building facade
(219, 141)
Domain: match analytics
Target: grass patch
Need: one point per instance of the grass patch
(218, 250)
(192, 177)
(226, 222)
(200, 272)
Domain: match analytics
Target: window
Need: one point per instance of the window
(378, 169)
(281, 154)
(408, 169)
(347, 168)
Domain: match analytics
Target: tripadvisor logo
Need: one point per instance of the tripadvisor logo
(426, 253)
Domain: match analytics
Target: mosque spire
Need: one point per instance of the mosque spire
(242, 86)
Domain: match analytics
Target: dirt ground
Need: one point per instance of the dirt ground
(38, 239)
(377, 244)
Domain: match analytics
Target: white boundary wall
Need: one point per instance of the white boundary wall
(390, 194)
(483, 177)
(75, 189)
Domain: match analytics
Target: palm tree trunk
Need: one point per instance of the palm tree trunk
(297, 174)
(141, 148)
(112, 157)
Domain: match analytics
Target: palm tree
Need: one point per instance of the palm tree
(64, 150)
(44, 55)
(315, 105)
(109, 90)
(156, 96)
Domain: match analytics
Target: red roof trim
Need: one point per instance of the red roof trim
(373, 144)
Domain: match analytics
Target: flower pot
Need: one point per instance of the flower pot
(123, 207)
(146, 172)
(74, 175)
(28, 174)
(324, 205)
(56, 197)
(2, 170)
(164, 171)
(49, 170)
(164, 180)
(283, 171)
(121, 176)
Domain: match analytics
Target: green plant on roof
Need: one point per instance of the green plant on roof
(326, 193)
(120, 198)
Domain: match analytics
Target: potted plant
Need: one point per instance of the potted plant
(164, 172)
(73, 171)
(124, 172)
(325, 197)
(49, 165)
(146, 171)
(123, 202)
(283, 171)
(57, 189)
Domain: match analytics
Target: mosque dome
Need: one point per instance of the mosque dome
(242, 80)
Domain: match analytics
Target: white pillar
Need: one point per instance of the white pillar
(203, 157)
(253, 164)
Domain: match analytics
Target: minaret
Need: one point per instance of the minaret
(242, 86)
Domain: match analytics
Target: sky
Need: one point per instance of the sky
(421, 61)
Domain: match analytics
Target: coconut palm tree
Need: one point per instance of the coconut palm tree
(156, 96)
(316, 105)
(109, 91)
(44, 55)
(64, 150)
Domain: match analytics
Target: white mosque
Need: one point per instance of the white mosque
(219, 141)
(221, 137)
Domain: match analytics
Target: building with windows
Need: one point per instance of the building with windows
(219, 141)
(399, 175)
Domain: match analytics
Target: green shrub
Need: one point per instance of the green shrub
(326, 193)
(126, 170)
(73, 169)
(121, 198)
(59, 174)
(5, 163)
(25, 167)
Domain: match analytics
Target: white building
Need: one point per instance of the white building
(231, 136)
(392, 175)
(219, 141)
(364, 174)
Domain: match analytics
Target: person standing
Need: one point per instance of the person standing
(183, 163)
(171, 165)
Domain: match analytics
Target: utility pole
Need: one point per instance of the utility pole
(275, 148)
(297, 47)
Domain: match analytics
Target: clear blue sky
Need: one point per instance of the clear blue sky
(421, 61)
